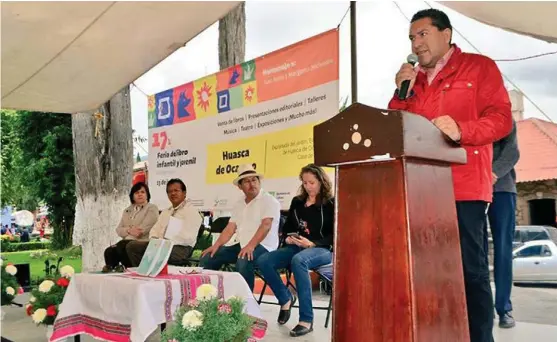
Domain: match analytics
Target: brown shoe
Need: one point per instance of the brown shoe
(106, 269)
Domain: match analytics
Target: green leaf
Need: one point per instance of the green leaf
(37, 167)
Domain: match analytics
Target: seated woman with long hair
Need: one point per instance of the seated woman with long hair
(309, 227)
(135, 224)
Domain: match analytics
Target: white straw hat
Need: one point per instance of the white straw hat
(244, 171)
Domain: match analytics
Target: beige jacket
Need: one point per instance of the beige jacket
(191, 222)
(145, 218)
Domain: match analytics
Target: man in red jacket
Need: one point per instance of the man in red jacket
(464, 96)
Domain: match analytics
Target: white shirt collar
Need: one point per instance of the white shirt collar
(179, 206)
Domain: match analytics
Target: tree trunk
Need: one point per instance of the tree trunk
(103, 155)
(232, 48)
(232, 37)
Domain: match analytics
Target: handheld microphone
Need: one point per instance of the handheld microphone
(412, 59)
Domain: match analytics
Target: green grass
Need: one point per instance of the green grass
(37, 265)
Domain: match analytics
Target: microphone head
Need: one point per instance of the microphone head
(412, 59)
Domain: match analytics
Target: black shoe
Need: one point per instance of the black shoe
(506, 321)
(284, 314)
(300, 330)
(119, 269)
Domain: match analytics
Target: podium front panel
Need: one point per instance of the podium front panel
(372, 300)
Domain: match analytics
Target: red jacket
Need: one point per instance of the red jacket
(469, 89)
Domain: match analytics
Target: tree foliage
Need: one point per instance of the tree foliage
(37, 166)
(16, 190)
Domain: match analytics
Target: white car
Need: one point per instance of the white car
(535, 262)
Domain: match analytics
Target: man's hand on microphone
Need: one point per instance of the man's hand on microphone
(448, 126)
(406, 72)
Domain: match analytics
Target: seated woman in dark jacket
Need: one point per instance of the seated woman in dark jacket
(309, 228)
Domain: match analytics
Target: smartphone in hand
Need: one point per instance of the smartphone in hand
(295, 235)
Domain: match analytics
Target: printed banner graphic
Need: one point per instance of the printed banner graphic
(261, 112)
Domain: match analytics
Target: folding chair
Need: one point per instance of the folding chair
(218, 225)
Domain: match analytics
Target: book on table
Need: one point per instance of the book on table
(155, 258)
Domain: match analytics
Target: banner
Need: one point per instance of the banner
(260, 112)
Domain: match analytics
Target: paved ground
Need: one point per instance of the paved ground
(535, 304)
(535, 311)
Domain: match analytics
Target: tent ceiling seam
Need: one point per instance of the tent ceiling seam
(61, 51)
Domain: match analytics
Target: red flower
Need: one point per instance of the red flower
(63, 282)
(20, 290)
(225, 308)
(51, 310)
(29, 310)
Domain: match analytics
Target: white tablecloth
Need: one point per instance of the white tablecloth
(124, 307)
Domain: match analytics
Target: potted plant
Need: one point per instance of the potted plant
(9, 286)
(47, 297)
(209, 318)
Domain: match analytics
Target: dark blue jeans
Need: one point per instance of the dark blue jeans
(229, 255)
(502, 222)
(300, 261)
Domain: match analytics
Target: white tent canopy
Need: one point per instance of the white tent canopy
(531, 18)
(73, 56)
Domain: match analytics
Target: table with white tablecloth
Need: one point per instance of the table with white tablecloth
(129, 307)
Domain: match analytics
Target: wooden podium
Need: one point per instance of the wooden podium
(397, 265)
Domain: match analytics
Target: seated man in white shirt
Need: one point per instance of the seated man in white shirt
(181, 215)
(255, 220)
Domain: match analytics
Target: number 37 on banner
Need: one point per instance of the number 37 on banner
(160, 139)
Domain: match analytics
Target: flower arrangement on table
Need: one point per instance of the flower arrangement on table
(45, 299)
(208, 318)
(10, 286)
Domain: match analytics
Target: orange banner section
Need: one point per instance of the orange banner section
(301, 66)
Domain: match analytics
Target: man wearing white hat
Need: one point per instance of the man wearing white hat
(255, 220)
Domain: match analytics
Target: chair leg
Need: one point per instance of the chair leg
(329, 311)
(288, 282)
(262, 292)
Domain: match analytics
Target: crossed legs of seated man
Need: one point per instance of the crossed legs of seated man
(136, 249)
(230, 255)
(300, 261)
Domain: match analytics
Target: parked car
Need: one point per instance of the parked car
(535, 262)
(524, 234)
